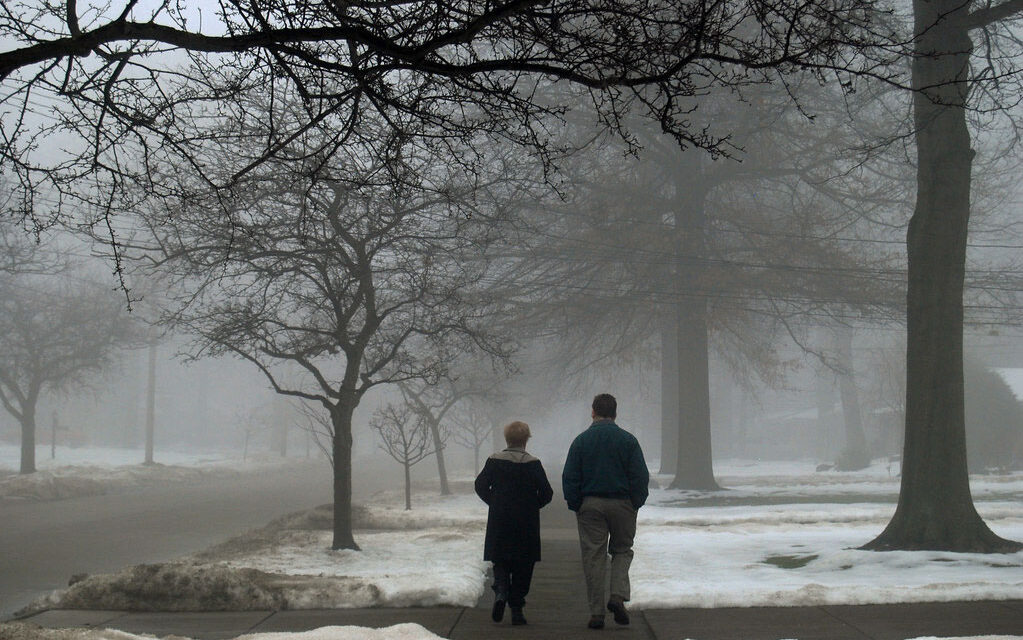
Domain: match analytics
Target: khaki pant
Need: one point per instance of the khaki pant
(606, 525)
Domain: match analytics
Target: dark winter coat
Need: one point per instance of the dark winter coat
(514, 485)
(605, 461)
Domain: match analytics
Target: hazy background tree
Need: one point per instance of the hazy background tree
(644, 250)
(406, 437)
(472, 429)
(55, 335)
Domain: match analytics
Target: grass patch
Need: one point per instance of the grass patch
(790, 562)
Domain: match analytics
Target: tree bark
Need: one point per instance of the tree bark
(694, 459)
(855, 455)
(669, 392)
(341, 417)
(438, 447)
(935, 509)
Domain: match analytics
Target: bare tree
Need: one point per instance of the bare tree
(676, 254)
(52, 337)
(147, 89)
(472, 429)
(363, 273)
(431, 403)
(405, 436)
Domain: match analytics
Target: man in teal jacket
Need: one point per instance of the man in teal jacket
(605, 482)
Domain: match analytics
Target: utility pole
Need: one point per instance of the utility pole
(53, 436)
(151, 401)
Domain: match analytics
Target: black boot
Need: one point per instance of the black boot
(497, 613)
(517, 617)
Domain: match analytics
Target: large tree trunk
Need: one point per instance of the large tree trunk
(28, 439)
(694, 460)
(854, 456)
(438, 447)
(935, 508)
(695, 463)
(669, 393)
(341, 417)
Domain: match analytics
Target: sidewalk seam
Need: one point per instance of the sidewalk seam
(451, 631)
(846, 623)
(269, 615)
(646, 623)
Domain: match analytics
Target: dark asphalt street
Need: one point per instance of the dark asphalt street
(43, 543)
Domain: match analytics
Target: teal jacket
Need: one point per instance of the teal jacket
(606, 461)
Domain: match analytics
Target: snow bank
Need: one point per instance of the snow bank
(428, 557)
(406, 569)
(407, 631)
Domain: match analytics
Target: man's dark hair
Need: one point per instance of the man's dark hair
(605, 405)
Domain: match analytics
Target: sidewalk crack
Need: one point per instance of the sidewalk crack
(451, 631)
(269, 615)
(847, 623)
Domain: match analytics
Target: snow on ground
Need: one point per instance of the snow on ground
(86, 471)
(749, 479)
(778, 540)
(765, 561)
(431, 555)
(731, 548)
(400, 566)
(10, 457)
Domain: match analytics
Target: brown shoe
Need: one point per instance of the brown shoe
(616, 605)
(596, 622)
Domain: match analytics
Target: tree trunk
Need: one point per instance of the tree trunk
(694, 460)
(408, 486)
(150, 403)
(669, 392)
(935, 509)
(854, 456)
(438, 447)
(341, 417)
(28, 440)
(695, 467)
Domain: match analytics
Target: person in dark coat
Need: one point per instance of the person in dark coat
(515, 487)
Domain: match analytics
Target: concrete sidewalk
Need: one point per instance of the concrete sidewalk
(557, 610)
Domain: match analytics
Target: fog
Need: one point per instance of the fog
(319, 276)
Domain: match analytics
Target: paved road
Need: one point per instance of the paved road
(43, 543)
